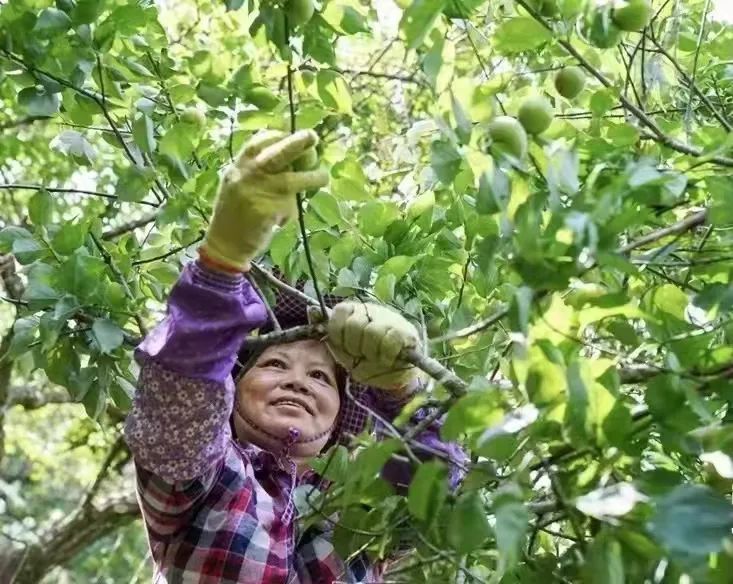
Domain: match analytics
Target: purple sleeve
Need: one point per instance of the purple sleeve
(179, 424)
(426, 445)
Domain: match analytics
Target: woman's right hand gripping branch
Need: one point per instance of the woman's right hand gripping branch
(257, 192)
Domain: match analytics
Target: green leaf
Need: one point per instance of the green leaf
(692, 520)
(26, 251)
(38, 102)
(24, 333)
(69, 237)
(428, 490)
(74, 144)
(519, 34)
(419, 19)
(376, 216)
(86, 11)
(134, 184)
(333, 91)
(108, 334)
(397, 266)
(52, 21)
(512, 521)
(40, 207)
(143, 132)
(445, 160)
(122, 393)
(602, 101)
(468, 526)
(179, 141)
(9, 234)
(344, 18)
(326, 207)
(40, 292)
(605, 562)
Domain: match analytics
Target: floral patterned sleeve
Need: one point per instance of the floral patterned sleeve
(178, 429)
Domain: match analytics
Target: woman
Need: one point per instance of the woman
(218, 459)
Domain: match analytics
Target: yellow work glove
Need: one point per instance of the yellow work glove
(257, 192)
(367, 340)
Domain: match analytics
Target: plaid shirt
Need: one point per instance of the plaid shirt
(217, 511)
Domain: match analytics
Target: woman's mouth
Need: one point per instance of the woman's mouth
(293, 402)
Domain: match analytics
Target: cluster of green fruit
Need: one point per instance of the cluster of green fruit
(509, 135)
(601, 22)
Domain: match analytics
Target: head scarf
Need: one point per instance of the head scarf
(291, 311)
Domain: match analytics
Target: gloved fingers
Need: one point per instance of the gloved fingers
(354, 331)
(277, 157)
(260, 141)
(371, 340)
(307, 180)
(390, 346)
(336, 327)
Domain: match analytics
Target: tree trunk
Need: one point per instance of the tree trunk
(62, 541)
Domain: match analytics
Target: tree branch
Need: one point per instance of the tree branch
(32, 398)
(69, 190)
(129, 226)
(275, 281)
(21, 122)
(60, 543)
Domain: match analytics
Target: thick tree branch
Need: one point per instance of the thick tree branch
(32, 398)
(61, 542)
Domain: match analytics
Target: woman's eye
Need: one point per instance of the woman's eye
(278, 363)
(322, 375)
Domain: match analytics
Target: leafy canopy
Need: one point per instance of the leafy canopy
(578, 282)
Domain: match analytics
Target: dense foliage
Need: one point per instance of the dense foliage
(572, 268)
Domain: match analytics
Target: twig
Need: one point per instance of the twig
(68, 190)
(118, 445)
(121, 278)
(275, 281)
(301, 196)
(474, 328)
(129, 226)
(167, 254)
(297, 333)
(693, 88)
(268, 308)
(686, 224)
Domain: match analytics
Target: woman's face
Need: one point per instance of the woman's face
(289, 386)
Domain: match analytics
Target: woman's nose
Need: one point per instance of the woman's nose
(297, 385)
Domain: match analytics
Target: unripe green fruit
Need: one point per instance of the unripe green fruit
(509, 135)
(193, 116)
(306, 161)
(633, 16)
(584, 293)
(569, 82)
(535, 114)
(300, 12)
(545, 7)
(262, 97)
